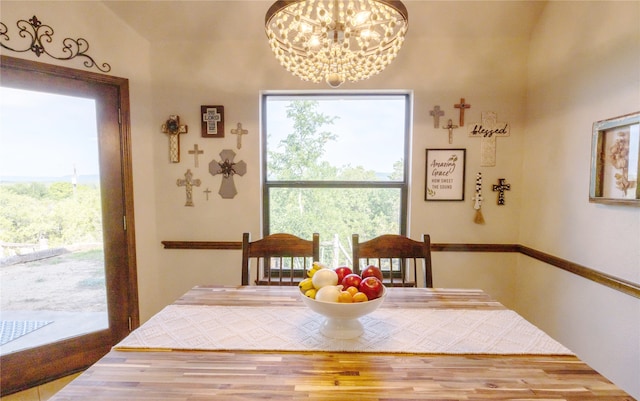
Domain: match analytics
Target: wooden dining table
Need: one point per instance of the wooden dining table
(198, 375)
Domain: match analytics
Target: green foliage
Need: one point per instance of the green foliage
(334, 213)
(58, 214)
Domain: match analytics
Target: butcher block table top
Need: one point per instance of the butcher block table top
(209, 374)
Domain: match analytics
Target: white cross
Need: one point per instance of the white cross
(239, 131)
(489, 129)
(212, 118)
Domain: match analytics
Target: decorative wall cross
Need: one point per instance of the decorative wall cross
(173, 128)
(488, 130)
(212, 121)
(436, 113)
(462, 105)
(195, 152)
(500, 188)
(450, 127)
(207, 192)
(239, 131)
(228, 168)
(188, 183)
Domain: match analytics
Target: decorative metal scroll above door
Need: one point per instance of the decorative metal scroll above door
(41, 34)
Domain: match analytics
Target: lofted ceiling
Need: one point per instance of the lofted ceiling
(203, 20)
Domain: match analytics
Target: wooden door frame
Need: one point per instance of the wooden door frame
(25, 369)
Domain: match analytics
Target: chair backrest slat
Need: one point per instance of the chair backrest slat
(397, 256)
(276, 256)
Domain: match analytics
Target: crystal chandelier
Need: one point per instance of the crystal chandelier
(336, 40)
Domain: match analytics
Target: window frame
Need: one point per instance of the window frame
(403, 185)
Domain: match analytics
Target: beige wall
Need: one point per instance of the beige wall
(445, 57)
(584, 66)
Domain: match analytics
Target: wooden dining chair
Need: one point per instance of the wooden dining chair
(397, 256)
(278, 259)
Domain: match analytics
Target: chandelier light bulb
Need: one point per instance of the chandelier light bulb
(336, 40)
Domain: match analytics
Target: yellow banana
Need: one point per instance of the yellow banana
(306, 284)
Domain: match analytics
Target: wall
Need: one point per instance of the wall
(440, 62)
(584, 66)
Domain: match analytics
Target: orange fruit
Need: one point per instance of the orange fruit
(352, 290)
(345, 297)
(360, 297)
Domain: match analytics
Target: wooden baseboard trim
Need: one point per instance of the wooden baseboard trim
(627, 287)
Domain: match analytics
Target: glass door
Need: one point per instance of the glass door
(52, 277)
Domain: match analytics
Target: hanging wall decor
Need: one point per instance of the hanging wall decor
(38, 34)
(462, 106)
(196, 152)
(500, 188)
(488, 130)
(239, 132)
(436, 113)
(212, 121)
(227, 167)
(477, 204)
(450, 127)
(206, 193)
(173, 128)
(445, 175)
(615, 161)
(188, 183)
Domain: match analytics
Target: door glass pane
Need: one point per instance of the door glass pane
(52, 280)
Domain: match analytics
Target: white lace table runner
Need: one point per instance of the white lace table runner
(431, 331)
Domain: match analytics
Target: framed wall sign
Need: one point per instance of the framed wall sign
(445, 175)
(212, 121)
(615, 166)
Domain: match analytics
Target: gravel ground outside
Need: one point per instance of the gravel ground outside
(72, 282)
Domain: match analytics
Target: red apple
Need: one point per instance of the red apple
(342, 272)
(372, 271)
(371, 287)
(351, 280)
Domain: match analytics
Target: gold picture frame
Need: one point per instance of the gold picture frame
(615, 161)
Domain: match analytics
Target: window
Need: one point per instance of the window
(335, 164)
(103, 102)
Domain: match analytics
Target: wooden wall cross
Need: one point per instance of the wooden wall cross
(462, 105)
(227, 168)
(173, 128)
(195, 152)
(188, 183)
(500, 188)
(436, 113)
(207, 192)
(450, 127)
(239, 131)
(488, 130)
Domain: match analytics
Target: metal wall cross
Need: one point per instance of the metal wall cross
(500, 188)
(228, 168)
(489, 129)
(450, 127)
(188, 183)
(173, 128)
(239, 131)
